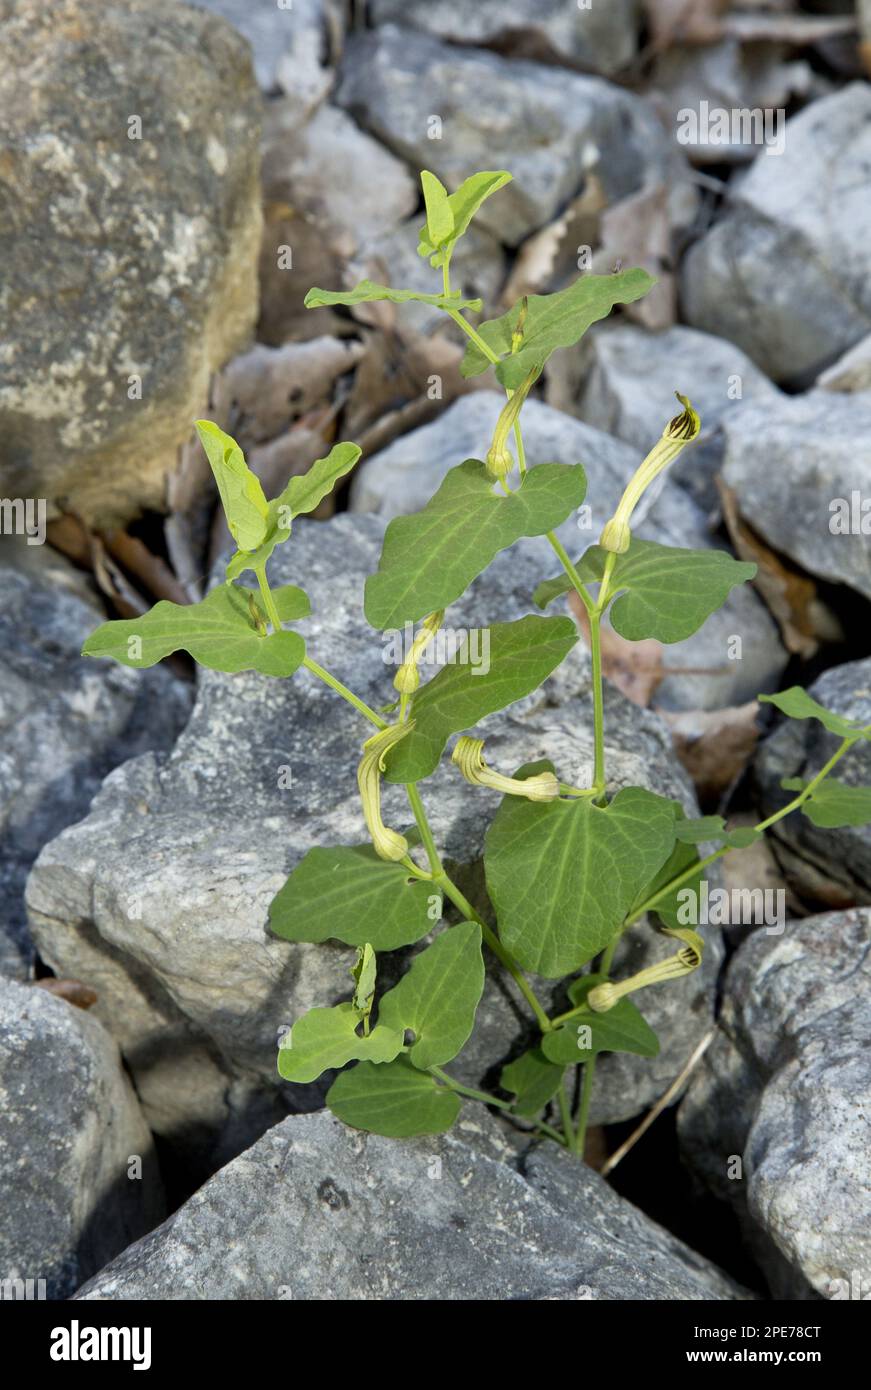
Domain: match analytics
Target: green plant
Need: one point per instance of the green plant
(568, 869)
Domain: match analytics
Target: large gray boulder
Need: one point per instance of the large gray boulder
(289, 43)
(71, 1192)
(784, 272)
(317, 1211)
(831, 865)
(702, 672)
(604, 37)
(626, 382)
(457, 110)
(775, 1120)
(159, 898)
(130, 138)
(815, 469)
(64, 722)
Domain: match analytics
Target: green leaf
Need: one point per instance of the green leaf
(533, 1080)
(439, 214)
(438, 996)
(797, 704)
(562, 875)
(241, 494)
(394, 1099)
(712, 830)
(429, 559)
(326, 1038)
(520, 655)
(302, 494)
(219, 633)
(667, 592)
(553, 321)
(682, 857)
(833, 804)
(621, 1029)
(364, 971)
(349, 894)
(463, 205)
(367, 292)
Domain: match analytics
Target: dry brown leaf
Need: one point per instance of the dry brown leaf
(714, 746)
(684, 21)
(82, 996)
(804, 620)
(550, 256)
(634, 667)
(259, 395)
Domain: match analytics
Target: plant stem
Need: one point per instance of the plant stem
(469, 1090)
(475, 336)
(590, 1067)
(332, 681)
(566, 1117)
(576, 581)
(598, 703)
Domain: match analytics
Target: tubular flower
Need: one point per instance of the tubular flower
(468, 756)
(687, 959)
(388, 844)
(407, 678)
(500, 460)
(679, 432)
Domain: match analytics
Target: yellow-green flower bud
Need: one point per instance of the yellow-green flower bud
(679, 432)
(407, 678)
(388, 844)
(468, 757)
(603, 997)
(499, 458)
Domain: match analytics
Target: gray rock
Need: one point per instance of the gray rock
(406, 474)
(160, 897)
(144, 277)
(289, 45)
(319, 1211)
(70, 1127)
(785, 273)
(550, 127)
(604, 37)
(335, 175)
(626, 382)
(800, 748)
(807, 500)
(64, 722)
(786, 1088)
(852, 372)
(730, 75)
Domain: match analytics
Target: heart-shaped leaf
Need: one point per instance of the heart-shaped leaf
(797, 704)
(533, 1080)
(394, 1099)
(348, 893)
(430, 558)
(510, 660)
(563, 874)
(219, 633)
(621, 1029)
(833, 804)
(326, 1038)
(552, 321)
(438, 996)
(667, 592)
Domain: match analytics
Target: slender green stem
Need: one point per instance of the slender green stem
(469, 1091)
(446, 276)
(598, 702)
(566, 1117)
(811, 786)
(475, 336)
(521, 451)
(590, 1068)
(576, 581)
(345, 693)
(423, 826)
(268, 601)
